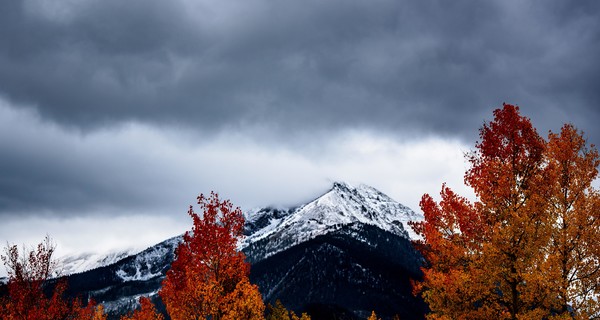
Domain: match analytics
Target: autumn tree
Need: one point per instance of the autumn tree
(373, 316)
(453, 233)
(573, 261)
(146, 311)
(279, 312)
(209, 276)
(28, 279)
(303, 316)
(99, 313)
(500, 256)
(509, 177)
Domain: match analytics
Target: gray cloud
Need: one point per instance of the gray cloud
(404, 67)
(128, 109)
(51, 172)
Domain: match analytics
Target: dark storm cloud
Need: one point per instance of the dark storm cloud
(292, 70)
(47, 171)
(424, 67)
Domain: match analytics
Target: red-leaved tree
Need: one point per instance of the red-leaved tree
(527, 248)
(209, 276)
(28, 276)
(146, 311)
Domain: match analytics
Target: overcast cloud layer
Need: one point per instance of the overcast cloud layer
(128, 108)
(404, 66)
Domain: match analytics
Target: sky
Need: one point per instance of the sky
(115, 115)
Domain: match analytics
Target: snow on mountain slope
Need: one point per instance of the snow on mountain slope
(282, 228)
(150, 263)
(71, 264)
(368, 225)
(342, 205)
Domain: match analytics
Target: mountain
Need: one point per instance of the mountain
(119, 286)
(269, 231)
(344, 274)
(78, 263)
(339, 256)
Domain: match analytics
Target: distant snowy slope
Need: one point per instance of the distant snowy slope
(150, 263)
(71, 264)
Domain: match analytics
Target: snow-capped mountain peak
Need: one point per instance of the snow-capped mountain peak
(347, 204)
(342, 205)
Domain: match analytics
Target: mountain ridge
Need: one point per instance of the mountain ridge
(263, 222)
(343, 204)
(324, 257)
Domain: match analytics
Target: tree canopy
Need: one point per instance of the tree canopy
(29, 273)
(209, 276)
(525, 249)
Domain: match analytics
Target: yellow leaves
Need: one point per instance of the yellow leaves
(303, 316)
(244, 303)
(373, 316)
(99, 313)
(279, 312)
(574, 256)
(147, 311)
(459, 295)
(528, 249)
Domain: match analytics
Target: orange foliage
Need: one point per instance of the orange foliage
(509, 176)
(145, 312)
(533, 227)
(279, 312)
(574, 254)
(209, 277)
(303, 316)
(373, 316)
(453, 234)
(98, 314)
(245, 302)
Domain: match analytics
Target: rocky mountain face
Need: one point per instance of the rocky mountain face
(339, 256)
(344, 274)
